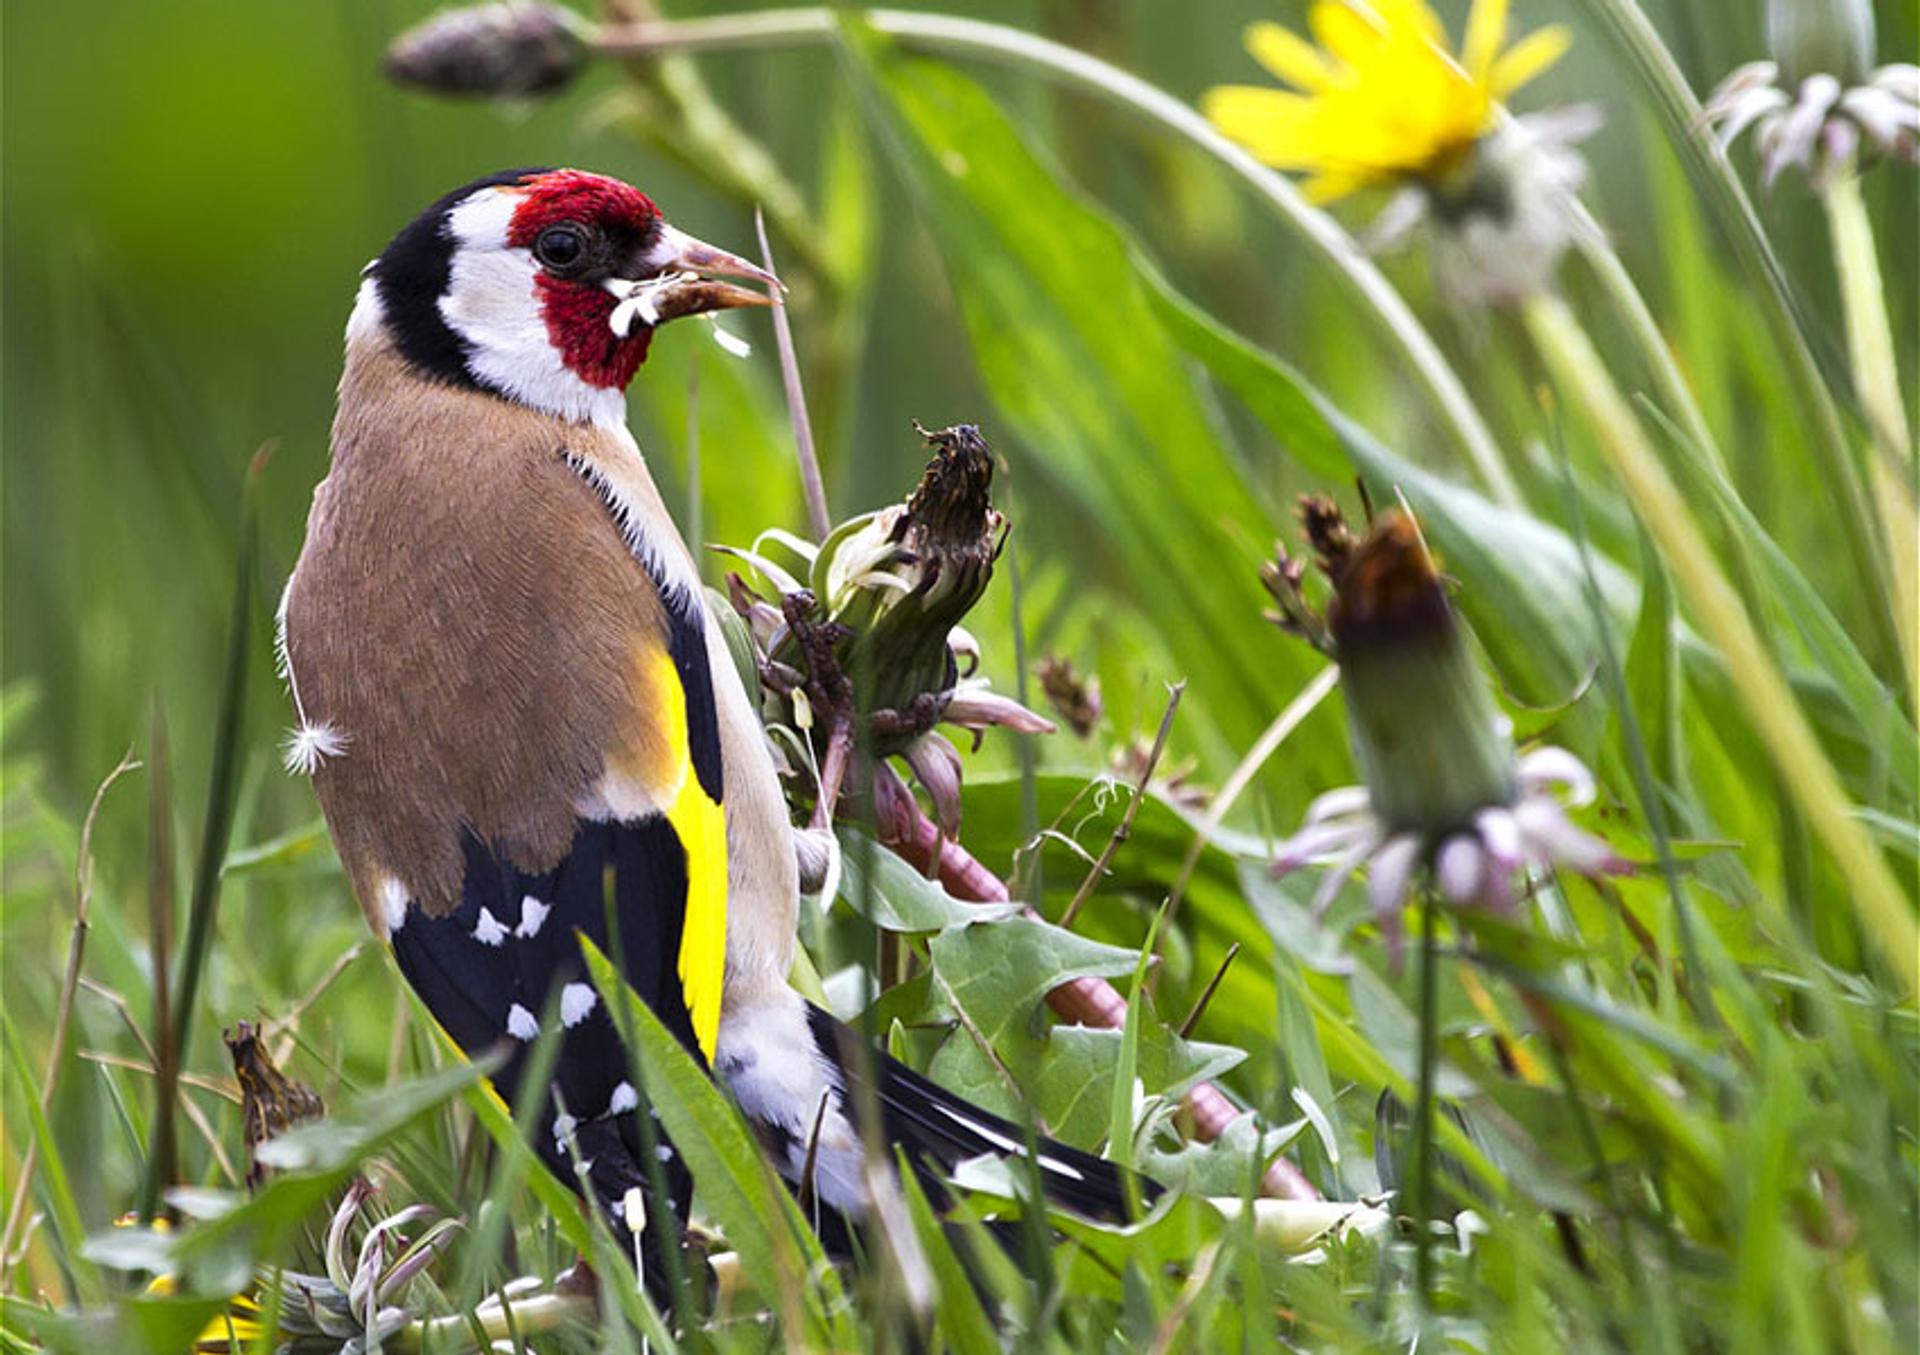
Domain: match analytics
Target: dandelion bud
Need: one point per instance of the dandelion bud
(490, 50)
(1445, 793)
(1430, 745)
(1821, 37)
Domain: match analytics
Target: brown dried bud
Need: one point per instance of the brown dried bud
(491, 50)
(270, 1101)
(1074, 696)
(1326, 530)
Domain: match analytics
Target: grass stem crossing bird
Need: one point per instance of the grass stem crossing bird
(514, 705)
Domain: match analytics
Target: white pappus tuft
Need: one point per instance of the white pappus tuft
(312, 743)
(730, 343)
(637, 299)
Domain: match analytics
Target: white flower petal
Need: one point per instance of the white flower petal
(1556, 766)
(1389, 872)
(1345, 802)
(1319, 843)
(1882, 115)
(1461, 868)
(1553, 839)
(1739, 112)
(1337, 873)
(1899, 78)
(1501, 837)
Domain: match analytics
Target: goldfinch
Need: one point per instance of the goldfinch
(512, 701)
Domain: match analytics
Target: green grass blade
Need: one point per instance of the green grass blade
(778, 1250)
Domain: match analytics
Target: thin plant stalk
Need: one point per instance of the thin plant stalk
(1775, 714)
(222, 791)
(954, 36)
(1422, 1164)
(1304, 704)
(1714, 177)
(1124, 829)
(1876, 381)
(810, 481)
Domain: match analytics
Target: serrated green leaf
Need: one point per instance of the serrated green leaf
(897, 898)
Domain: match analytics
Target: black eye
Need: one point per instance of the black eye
(560, 246)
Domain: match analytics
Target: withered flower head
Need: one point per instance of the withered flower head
(872, 640)
(941, 545)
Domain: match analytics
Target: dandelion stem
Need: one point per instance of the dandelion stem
(950, 35)
(1422, 1174)
(1876, 383)
(1775, 714)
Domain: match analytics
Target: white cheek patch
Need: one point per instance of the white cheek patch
(492, 303)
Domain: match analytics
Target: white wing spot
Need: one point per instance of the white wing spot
(576, 1000)
(624, 1098)
(488, 931)
(563, 1125)
(521, 1024)
(1054, 1164)
(532, 914)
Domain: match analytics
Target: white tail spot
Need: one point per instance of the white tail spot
(576, 1000)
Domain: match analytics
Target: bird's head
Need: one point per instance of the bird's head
(544, 286)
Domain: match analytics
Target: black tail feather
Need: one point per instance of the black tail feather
(940, 1130)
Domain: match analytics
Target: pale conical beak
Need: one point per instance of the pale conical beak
(684, 277)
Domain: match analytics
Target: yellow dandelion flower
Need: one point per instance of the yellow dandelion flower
(1380, 98)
